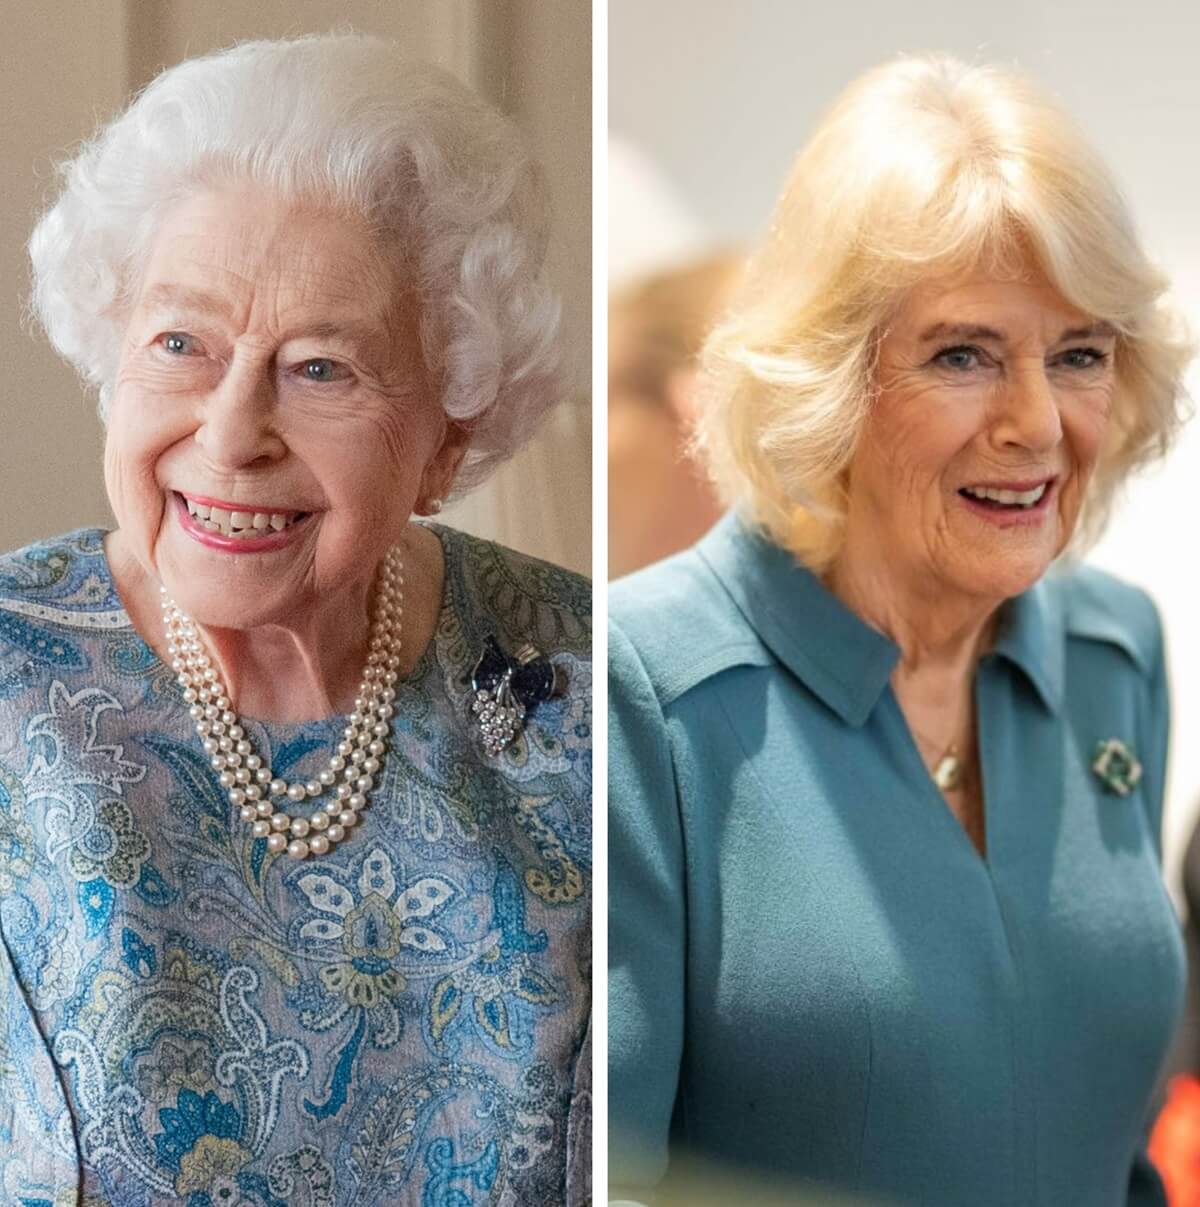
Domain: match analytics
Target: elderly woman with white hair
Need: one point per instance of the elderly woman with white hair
(886, 769)
(294, 791)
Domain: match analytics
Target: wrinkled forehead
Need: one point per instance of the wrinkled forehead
(1001, 306)
(253, 259)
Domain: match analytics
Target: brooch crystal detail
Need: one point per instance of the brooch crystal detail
(507, 689)
(1117, 766)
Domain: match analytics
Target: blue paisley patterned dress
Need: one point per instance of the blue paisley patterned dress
(187, 1018)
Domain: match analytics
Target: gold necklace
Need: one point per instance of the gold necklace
(947, 772)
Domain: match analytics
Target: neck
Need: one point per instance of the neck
(937, 630)
(941, 638)
(295, 672)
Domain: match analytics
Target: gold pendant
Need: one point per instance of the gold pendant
(948, 772)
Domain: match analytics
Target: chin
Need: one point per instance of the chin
(218, 610)
(1009, 575)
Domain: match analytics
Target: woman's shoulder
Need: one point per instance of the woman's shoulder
(675, 624)
(1100, 608)
(67, 573)
(62, 581)
(516, 597)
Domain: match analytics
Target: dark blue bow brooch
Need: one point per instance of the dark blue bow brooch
(507, 689)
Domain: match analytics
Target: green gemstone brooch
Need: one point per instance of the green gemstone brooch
(1117, 766)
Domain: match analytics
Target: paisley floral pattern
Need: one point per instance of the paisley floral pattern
(188, 1018)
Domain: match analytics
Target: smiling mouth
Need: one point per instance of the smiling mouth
(1001, 499)
(245, 523)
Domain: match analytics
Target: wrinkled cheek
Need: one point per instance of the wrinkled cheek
(133, 493)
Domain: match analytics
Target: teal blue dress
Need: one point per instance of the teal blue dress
(187, 1018)
(813, 972)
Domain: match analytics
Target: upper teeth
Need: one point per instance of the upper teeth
(1025, 498)
(238, 523)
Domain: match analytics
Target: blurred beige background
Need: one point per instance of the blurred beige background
(70, 65)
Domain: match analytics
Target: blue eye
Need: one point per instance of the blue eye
(320, 369)
(177, 343)
(961, 357)
(1083, 358)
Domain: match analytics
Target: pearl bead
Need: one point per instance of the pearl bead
(250, 785)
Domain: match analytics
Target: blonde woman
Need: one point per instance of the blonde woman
(886, 775)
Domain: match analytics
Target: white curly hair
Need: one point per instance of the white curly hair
(343, 120)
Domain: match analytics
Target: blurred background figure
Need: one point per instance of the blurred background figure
(1175, 1142)
(659, 498)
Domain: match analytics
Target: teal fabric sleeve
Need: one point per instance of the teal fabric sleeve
(645, 928)
(1145, 1184)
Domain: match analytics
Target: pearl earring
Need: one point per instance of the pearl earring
(435, 506)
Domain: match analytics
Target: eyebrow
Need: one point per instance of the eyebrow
(1097, 330)
(184, 296)
(360, 335)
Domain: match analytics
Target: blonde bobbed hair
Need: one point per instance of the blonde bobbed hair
(926, 168)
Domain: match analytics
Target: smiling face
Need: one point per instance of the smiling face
(270, 368)
(975, 459)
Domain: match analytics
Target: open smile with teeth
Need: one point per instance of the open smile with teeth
(241, 523)
(1023, 499)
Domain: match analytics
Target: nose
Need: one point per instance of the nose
(1027, 413)
(237, 419)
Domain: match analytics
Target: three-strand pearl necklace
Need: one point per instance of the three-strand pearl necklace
(252, 786)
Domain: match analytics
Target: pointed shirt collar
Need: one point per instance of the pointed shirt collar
(835, 653)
